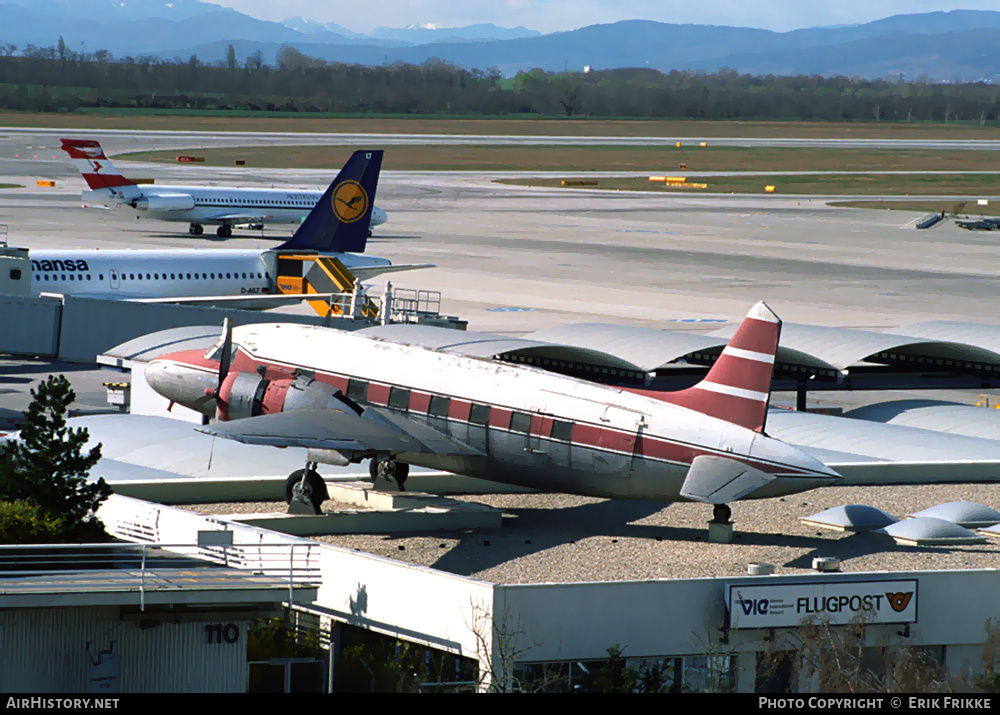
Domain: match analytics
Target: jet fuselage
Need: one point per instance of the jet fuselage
(207, 204)
(164, 273)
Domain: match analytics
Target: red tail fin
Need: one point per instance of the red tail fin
(738, 387)
(96, 168)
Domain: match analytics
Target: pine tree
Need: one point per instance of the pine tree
(616, 676)
(47, 465)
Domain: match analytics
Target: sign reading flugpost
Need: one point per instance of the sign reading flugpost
(837, 603)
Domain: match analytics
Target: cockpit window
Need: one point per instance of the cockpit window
(213, 352)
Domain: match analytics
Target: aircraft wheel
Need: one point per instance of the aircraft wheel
(721, 514)
(312, 487)
(224, 231)
(390, 470)
(196, 229)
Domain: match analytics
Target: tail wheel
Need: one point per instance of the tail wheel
(307, 484)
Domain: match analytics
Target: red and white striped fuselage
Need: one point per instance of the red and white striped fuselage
(533, 428)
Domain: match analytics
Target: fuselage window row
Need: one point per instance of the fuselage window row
(149, 276)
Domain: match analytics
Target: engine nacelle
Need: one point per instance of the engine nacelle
(247, 394)
(164, 202)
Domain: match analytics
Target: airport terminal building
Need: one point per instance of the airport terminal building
(723, 634)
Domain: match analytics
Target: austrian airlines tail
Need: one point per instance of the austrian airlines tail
(738, 387)
(96, 168)
(339, 222)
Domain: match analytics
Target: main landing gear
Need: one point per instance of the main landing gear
(196, 229)
(224, 231)
(305, 491)
(390, 470)
(721, 514)
(720, 528)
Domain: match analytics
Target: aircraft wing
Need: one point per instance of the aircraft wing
(370, 272)
(370, 432)
(250, 301)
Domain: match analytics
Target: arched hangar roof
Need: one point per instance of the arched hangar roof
(490, 345)
(934, 415)
(938, 346)
(983, 335)
(844, 347)
(646, 348)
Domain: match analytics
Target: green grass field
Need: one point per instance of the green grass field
(971, 185)
(224, 121)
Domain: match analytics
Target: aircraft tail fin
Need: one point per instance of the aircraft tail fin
(738, 386)
(96, 168)
(341, 218)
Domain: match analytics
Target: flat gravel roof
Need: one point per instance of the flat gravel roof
(563, 538)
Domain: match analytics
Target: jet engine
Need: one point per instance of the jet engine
(164, 202)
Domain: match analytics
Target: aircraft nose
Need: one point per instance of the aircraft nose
(181, 383)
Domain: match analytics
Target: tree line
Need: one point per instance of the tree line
(58, 79)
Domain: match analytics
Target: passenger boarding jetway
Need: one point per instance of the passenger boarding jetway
(78, 328)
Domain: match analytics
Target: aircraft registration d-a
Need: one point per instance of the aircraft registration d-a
(349, 398)
(334, 229)
(222, 206)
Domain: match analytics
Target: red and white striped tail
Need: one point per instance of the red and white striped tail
(96, 168)
(738, 387)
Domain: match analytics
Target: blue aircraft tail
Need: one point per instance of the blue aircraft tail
(340, 220)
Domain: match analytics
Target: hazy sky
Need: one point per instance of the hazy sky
(554, 15)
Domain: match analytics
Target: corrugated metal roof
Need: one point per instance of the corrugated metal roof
(872, 453)
(647, 348)
(146, 448)
(490, 345)
(982, 335)
(935, 415)
(843, 347)
(172, 447)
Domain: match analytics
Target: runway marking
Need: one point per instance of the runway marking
(644, 230)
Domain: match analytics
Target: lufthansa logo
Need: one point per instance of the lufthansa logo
(350, 201)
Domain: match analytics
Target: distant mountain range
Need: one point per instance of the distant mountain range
(957, 45)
